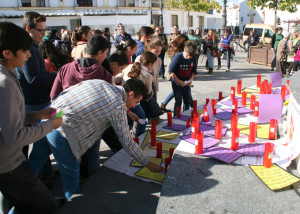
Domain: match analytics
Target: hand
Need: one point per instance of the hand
(154, 167)
(44, 114)
(56, 122)
(182, 83)
(133, 116)
(190, 83)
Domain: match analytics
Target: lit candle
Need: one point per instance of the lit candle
(153, 138)
(195, 128)
(188, 122)
(218, 129)
(273, 129)
(234, 106)
(195, 105)
(256, 109)
(205, 114)
(252, 100)
(268, 155)
(252, 133)
(244, 98)
(179, 111)
(214, 106)
(207, 101)
(269, 88)
(159, 150)
(220, 96)
(288, 86)
(235, 139)
(283, 89)
(239, 87)
(232, 93)
(171, 152)
(153, 125)
(234, 120)
(169, 119)
(258, 80)
(199, 143)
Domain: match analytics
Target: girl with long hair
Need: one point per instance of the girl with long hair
(227, 38)
(211, 42)
(80, 38)
(129, 47)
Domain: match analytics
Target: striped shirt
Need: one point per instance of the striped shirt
(89, 108)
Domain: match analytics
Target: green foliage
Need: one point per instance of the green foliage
(196, 5)
(288, 5)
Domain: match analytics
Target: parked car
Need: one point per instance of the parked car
(263, 31)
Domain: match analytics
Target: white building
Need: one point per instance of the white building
(232, 18)
(104, 13)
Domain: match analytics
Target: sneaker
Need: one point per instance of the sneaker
(219, 66)
(163, 108)
(228, 70)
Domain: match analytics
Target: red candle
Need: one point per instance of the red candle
(137, 140)
(159, 150)
(195, 128)
(253, 98)
(169, 119)
(153, 125)
(179, 111)
(220, 96)
(171, 152)
(268, 154)
(218, 129)
(199, 143)
(244, 98)
(234, 106)
(256, 109)
(232, 93)
(252, 133)
(261, 91)
(195, 105)
(269, 88)
(188, 122)
(234, 120)
(167, 163)
(214, 106)
(258, 80)
(207, 101)
(239, 87)
(205, 114)
(283, 89)
(288, 86)
(235, 139)
(153, 138)
(273, 129)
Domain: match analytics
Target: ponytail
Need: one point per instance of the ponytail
(135, 70)
(129, 43)
(77, 35)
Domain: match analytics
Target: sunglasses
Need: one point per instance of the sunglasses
(40, 30)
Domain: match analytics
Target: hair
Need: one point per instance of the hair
(52, 35)
(146, 59)
(145, 31)
(177, 45)
(154, 43)
(279, 29)
(228, 29)
(97, 43)
(175, 26)
(159, 28)
(137, 86)
(65, 37)
(190, 49)
(106, 29)
(213, 36)
(13, 38)
(77, 35)
(128, 43)
(120, 57)
(199, 35)
(57, 57)
(32, 18)
(98, 32)
(296, 34)
(191, 32)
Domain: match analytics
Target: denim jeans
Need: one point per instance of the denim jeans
(67, 164)
(90, 161)
(228, 53)
(168, 98)
(210, 59)
(138, 110)
(179, 94)
(162, 67)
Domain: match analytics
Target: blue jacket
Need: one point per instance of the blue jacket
(227, 41)
(120, 38)
(35, 81)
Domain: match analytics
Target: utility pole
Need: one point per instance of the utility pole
(275, 21)
(150, 1)
(161, 15)
(224, 15)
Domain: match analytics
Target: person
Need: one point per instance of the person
(252, 40)
(163, 39)
(130, 48)
(140, 70)
(54, 59)
(80, 39)
(275, 40)
(115, 64)
(90, 107)
(122, 36)
(211, 43)
(290, 57)
(281, 54)
(194, 39)
(227, 38)
(175, 47)
(65, 44)
(18, 184)
(145, 35)
(294, 38)
(54, 36)
(198, 33)
(297, 55)
(35, 81)
(182, 70)
(174, 34)
(106, 34)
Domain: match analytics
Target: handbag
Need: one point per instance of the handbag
(216, 52)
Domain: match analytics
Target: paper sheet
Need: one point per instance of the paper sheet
(222, 154)
(167, 135)
(262, 130)
(210, 130)
(183, 117)
(270, 107)
(241, 110)
(276, 79)
(251, 149)
(274, 177)
(146, 139)
(165, 146)
(210, 111)
(146, 173)
(251, 91)
(207, 141)
(157, 161)
(223, 115)
(176, 127)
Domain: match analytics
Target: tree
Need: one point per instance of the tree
(196, 5)
(288, 5)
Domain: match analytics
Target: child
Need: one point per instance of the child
(182, 70)
(290, 58)
(18, 184)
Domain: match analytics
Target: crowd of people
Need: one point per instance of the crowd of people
(102, 95)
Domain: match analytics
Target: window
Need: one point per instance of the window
(201, 22)
(122, 3)
(174, 20)
(155, 19)
(130, 3)
(190, 21)
(84, 3)
(258, 31)
(40, 3)
(155, 3)
(268, 33)
(247, 31)
(26, 3)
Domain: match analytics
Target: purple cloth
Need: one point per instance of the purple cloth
(183, 117)
(176, 127)
(210, 130)
(276, 79)
(223, 115)
(229, 103)
(251, 149)
(240, 111)
(207, 141)
(270, 107)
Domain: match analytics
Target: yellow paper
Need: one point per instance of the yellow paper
(157, 161)
(274, 177)
(167, 135)
(165, 146)
(250, 90)
(248, 96)
(200, 111)
(146, 140)
(146, 173)
(262, 130)
(165, 155)
(286, 102)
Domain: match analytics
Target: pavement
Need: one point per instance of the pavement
(108, 191)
